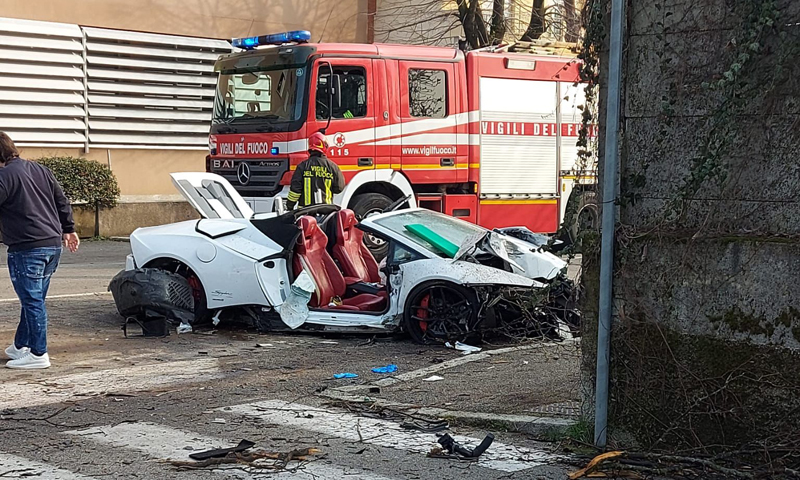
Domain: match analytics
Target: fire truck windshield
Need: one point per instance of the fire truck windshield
(264, 96)
(262, 90)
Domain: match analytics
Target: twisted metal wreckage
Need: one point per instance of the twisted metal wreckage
(443, 279)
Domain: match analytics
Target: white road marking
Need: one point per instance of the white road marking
(31, 393)
(12, 466)
(165, 443)
(383, 433)
(59, 297)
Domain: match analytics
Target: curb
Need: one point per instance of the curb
(528, 424)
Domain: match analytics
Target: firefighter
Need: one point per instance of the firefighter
(317, 179)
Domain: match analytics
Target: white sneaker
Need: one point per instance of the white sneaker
(30, 361)
(14, 353)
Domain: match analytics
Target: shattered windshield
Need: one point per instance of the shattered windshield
(435, 225)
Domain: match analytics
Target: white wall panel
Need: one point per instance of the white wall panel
(147, 89)
(41, 83)
(63, 85)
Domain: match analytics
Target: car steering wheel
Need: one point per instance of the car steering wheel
(314, 210)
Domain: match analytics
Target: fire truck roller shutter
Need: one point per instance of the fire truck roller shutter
(518, 138)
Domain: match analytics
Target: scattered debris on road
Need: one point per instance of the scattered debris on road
(425, 425)
(391, 368)
(256, 460)
(463, 347)
(151, 325)
(433, 378)
(344, 375)
(221, 452)
(450, 446)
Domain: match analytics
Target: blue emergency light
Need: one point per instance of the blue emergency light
(248, 43)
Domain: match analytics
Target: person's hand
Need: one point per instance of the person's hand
(71, 241)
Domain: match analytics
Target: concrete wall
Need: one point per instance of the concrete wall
(328, 20)
(706, 342)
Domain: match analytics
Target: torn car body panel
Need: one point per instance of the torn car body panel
(461, 273)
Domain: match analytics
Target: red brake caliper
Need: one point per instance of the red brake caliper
(194, 282)
(423, 312)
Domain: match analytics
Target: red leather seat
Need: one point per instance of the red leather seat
(310, 254)
(353, 256)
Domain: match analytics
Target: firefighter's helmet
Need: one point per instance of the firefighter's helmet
(317, 142)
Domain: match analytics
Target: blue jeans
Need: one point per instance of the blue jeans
(30, 274)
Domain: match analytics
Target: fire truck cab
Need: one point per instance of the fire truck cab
(488, 136)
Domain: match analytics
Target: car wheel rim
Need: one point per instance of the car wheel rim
(442, 313)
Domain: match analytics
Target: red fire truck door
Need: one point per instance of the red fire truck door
(351, 134)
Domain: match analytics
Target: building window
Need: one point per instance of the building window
(350, 101)
(427, 93)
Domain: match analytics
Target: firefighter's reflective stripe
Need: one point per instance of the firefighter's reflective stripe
(293, 196)
(307, 190)
(328, 194)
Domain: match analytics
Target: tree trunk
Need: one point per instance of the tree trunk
(498, 21)
(469, 12)
(96, 220)
(537, 26)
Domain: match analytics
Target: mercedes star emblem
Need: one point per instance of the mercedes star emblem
(243, 173)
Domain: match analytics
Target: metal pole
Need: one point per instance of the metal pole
(610, 162)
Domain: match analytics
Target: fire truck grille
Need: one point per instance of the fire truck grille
(259, 178)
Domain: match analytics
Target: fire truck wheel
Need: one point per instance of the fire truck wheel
(367, 205)
(587, 214)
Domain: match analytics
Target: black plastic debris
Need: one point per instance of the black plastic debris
(151, 324)
(221, 452)
(426, 426)
(451, 446)
(147, 292)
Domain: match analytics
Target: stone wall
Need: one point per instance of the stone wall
(706, 340)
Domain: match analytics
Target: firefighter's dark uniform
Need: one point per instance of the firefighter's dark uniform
(315, 181)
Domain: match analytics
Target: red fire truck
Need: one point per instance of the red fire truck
(487, 135)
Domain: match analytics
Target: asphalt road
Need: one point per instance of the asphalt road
(112, 407)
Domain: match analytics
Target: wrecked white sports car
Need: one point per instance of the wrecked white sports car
(443, 278)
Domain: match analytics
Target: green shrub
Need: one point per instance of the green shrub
(84, 180)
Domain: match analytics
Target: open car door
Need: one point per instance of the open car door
(211, 195)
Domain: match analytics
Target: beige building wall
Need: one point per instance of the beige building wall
(328, 20)
(143, 175)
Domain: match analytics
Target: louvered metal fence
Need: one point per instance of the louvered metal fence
(67, 86)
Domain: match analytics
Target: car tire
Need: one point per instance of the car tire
(365, 205)
(445, 298)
